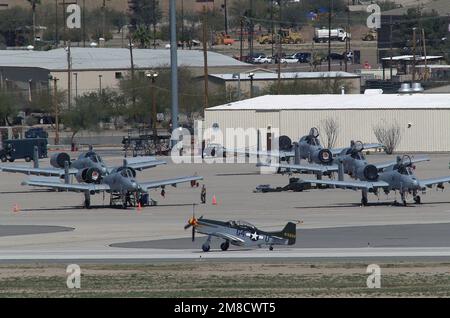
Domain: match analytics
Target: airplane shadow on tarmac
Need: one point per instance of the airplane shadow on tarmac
(370, 204)
(99, 207)
(237, 174)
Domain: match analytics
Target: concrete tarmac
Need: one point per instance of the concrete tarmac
(233, 184)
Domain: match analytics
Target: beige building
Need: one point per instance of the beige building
(95, 68)
(424, 119)
(258, 80)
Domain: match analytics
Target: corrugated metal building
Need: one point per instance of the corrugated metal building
(424, 119)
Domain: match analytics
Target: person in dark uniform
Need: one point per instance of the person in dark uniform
(203, 194)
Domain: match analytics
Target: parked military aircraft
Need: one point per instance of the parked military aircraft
(395, 176)
(119, 182)
(240, 233)
(308, 148)
(88, 167)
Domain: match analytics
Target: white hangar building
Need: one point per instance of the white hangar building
(424, 119)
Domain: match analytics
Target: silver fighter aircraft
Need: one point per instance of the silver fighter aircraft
(394, 176)
(240, 233)
(88, 167)
(120, 182)
(308, 148)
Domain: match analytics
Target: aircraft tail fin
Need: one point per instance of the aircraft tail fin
(290, 232)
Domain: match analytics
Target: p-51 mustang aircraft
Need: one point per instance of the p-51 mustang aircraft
(240, 233)
(119, 182)
(88, 167)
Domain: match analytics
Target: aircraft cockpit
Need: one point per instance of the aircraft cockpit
(93, 156)
(127, 173)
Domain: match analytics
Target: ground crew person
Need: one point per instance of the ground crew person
(203, 194)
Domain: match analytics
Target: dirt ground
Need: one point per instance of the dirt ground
(227, 279)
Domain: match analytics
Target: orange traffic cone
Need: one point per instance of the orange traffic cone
(139, 207)
(214, 200)
(16, 208)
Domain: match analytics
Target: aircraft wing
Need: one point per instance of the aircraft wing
(140, 163)
(430, 182)
(350, 184)
(312, 168)
(383, 165)
(336, 151)
(274, 153)
(54, 183)
(229, 237)
(36, 171)
(174, 181)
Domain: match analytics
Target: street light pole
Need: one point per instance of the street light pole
(251, 75)
(55, 105)
(153, 76)
(76, 84)
(100, 83)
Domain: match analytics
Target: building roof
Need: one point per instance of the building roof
(411, 58)
(284, 75)
(348, 101)
(441, 7)
(110, 58)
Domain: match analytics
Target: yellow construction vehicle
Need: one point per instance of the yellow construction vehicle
(223, 39)
(287, 37)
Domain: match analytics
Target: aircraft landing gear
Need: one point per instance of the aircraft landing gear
(87, 200)
(364, 200)
(417, 199)
(225, 245)
(403, 199)
(205, 246)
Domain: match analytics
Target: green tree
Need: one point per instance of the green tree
(298, 86)
(81, 116)
(8, 108)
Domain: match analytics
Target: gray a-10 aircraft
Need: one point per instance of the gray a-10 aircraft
(308, 148)
(89, 166)
(240, 233)
(394, 176)
(119, 182)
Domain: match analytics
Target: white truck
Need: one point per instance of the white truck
(321, 35)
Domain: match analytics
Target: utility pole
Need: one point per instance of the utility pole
(55, 105)
(414, 56)
(56, 24)
(225, 15)
(84, 23)
(130, 46)
(205, 56)
(279, 65)
(329, 36)
(250, 33)
(182, 24)
(69, 75)
(241, 39)
(104, 19)
(154, 23)
(390, 46)
(64, 20)
(271, 25)
(425, 76)
(174, 65)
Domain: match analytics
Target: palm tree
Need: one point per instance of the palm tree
(33, 8)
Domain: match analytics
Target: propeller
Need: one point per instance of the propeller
(192, 222)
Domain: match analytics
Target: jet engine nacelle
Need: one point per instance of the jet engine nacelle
(323, 156)
(58, 159)
(89, 175)
(368, 172)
